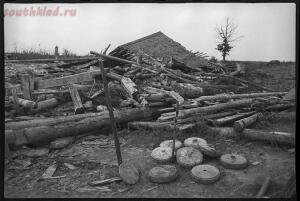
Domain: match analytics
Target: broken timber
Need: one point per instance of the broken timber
(241, 124)
(78, 107)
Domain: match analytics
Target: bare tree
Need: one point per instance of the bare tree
(226, 34)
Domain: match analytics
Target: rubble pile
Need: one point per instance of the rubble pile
(142, 86)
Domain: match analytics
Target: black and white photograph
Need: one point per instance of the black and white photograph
(150, 100)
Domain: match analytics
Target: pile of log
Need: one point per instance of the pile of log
(144, 93)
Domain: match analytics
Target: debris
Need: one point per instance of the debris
(188, 157)
(70, 166)
(39, 152)
(60, 143)
(264, 187)
(291, 150)
(129, 173)
(78, 107)
(234, 161)
(205, 174)
(48, 133)
(49, 171)
(256, 163)
(162, 154)
(105, 181)
(163, 174)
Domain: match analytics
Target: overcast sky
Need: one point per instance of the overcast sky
(268, 28)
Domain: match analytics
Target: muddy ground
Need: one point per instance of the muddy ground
(95, 159)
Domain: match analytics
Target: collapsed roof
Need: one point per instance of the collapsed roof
(159, 46)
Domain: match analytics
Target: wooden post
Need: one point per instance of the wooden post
(78, 107)
(111, 114)
(25, 79)
(15, 99)
(56, 52)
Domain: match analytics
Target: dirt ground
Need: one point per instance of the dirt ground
(95, 159)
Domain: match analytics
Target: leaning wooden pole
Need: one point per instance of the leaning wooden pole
(111, 113)
(175, 131)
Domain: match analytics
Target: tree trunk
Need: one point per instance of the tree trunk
(42, 134)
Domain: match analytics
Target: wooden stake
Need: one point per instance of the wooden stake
(111, 114)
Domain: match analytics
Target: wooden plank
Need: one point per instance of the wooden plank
(67, 80)
(78, 107)
(73, 79)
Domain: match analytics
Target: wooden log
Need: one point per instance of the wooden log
(280, 106)
(187, 90)
(25, 103)
(156, 97)
(214, 108)
(46, 104)
(167, 126)
(227, 119)
(50, 121)
(277, 137)
(219, 97)
(241, 124)
(78, 107)
(35, 135)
